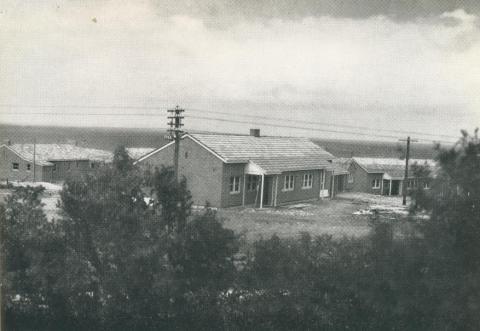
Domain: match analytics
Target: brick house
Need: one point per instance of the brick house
(235, 170)
(53, 162)
(383, 175)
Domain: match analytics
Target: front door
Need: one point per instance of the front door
(386, 187)
(395, 187)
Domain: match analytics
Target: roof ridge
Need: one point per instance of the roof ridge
(247, 135)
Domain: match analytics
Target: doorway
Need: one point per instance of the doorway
(267, 191)
(395, 187)
(386, 187)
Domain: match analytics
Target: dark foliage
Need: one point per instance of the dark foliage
(202, 254)
(32, 248)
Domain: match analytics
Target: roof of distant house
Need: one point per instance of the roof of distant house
(395, 168)
(137, 152)
(271, 154)
(45, 153)
(340, 166)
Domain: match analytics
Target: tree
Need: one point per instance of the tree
(422, 174)
(203, 254)
(138, 265)
(122, 160)
(454, 201)
(114, 260)
(452, 234)
(33, 248)
(172, 200)
(116, 248)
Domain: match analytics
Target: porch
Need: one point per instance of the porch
(271, 190)
(391, 186)
(260, 190)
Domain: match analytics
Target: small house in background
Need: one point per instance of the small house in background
(384, 175)
(235, 170)
(48, 162)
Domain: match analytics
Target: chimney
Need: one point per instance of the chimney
(7, 142)
(255, 132)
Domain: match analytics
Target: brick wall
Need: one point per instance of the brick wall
(298, 193)
(73, 169)
(362, 181)
(202, 170)
(7, 158)
(228, 198)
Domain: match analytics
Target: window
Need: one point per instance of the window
(77, 163)
(186, 155)
(67, 165)
(29, 166)
(92, 165)
(307, 181)
(234, 184)
(15, 166)
(376, 183)
(54, 168)
(350, 178)
(289, 183)
(252, 182)
(426, 185)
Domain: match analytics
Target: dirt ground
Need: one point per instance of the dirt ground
(333, 217)
(348, 215)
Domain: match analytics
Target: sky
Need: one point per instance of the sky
(334, 69)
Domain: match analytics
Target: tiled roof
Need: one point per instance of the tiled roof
(395, 168)
(59, 152)
(238, 148)
(272, 154)
(137, 152)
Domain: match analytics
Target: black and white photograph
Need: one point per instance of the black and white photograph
(239, 165)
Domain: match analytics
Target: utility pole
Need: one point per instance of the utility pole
(34, 156)
(175, 131)
(405, 179)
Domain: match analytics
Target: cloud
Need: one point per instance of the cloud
(133, 55)
(224, 12)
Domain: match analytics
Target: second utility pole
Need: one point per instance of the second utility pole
(175, 131)
(405, 179)
(34, 159)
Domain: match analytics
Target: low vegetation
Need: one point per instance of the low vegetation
(117, 261)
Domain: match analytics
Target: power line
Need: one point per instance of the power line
(202, 110)
(326, 124)
(224, 120)
(78, 106)
(310, 129)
